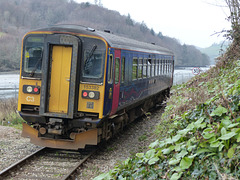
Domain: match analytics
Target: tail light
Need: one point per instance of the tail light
(90, 94)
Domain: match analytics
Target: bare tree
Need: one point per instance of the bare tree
(234, 8)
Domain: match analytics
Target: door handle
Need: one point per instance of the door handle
(110, 94)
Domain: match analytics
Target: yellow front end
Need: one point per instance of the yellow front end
(53, 100)
(91, 105)
(28, 99)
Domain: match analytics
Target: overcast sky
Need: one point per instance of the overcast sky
(192, 22)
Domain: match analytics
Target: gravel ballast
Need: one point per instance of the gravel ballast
(134, 138)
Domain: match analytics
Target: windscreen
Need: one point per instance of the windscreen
(93, 64)
(33, 53)
(93, 57)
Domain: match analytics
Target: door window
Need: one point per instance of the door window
(117, 67)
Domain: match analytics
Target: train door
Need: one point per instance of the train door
(59, 87)
(60, 78)
(116, 80)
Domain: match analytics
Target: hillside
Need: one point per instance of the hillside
(215, 50)
(19, 16)
(199, 132)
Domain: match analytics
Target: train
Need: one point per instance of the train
(80, 86)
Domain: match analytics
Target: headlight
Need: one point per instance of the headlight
(29, 89)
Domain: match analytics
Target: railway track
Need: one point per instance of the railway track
(50, 164)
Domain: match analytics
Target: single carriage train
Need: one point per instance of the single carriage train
(78, 86)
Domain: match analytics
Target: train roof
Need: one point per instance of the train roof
(112, 39)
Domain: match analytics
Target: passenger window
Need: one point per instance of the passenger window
(123, 70)
(117, 68)
(110, 67)
(153, 68)
(163, 67)
(149, 67)
(157, 68)
(145, 68)
(134, 69)
(160, 67)
(166, 66)
(140, 68)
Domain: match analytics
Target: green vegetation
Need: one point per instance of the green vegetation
(8, 114)
(199, 132)
(1, 34)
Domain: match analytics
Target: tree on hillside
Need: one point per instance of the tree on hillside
(19, 16)
(234, 8)
(143, 27)
(129, 20)
(152, 32)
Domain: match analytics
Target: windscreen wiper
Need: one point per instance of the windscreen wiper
(89, 57)
(36, 65)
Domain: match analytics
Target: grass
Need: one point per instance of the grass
(1, 34)
(8, 113)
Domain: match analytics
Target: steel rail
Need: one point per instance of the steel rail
(78, 165)
(6, 171)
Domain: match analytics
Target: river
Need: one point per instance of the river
(9, 83)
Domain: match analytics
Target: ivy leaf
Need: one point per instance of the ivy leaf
(226, 122)
(190, 148)
(168, 150)
(227, 136)
(103, 176)
(186, 163)
(238, 138)
(203, 150)
(208, 135)
(177, 147)
(150, 154)
(233, 125)
(168, 141)
(207, 130)
(223, 131)
(210, 100)
(153, 160)
(219, 111)
(215, 144)
(190, 126)
(211, 154)
(176, 138)
(154, 144)
(192, 156)
(199, 124)
(221, 146)
(176, 176)
(231, 152)
(181, 154)
(174, 161)
(184, 131)
(140, 155)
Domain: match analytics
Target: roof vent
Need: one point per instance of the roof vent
(153, 43)
(90, 29)
(107, 31)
